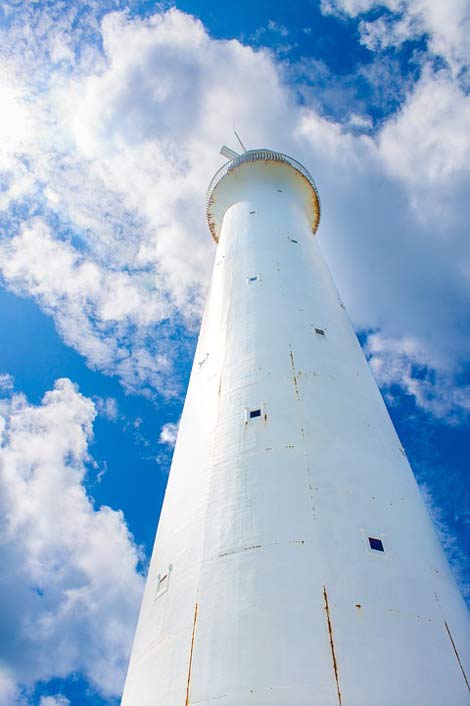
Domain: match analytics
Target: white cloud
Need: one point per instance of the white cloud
(107, 407)
(452, 546)
(67, 604)
(9, 692)
(405, 363)
(104, 314)
(168, 434)
(360, 122)
(57, 700)
(14, 118)
(6, 382)
(428, 143)
(389, 31)
(445, 24)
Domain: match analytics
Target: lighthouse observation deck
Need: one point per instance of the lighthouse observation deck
(236, 179)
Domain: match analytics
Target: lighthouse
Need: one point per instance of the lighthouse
(295, 563)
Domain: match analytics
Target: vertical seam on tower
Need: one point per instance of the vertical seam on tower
(332, 645)
(188, 686)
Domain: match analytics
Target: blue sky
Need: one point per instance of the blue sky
(111, 119)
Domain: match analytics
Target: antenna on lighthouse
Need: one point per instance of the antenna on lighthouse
(239, 139)
(229, 153)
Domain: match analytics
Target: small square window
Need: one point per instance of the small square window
(252, 213)
(253, 278)
(376, 544)
(292, 240)
(255, 413)
(320, 331)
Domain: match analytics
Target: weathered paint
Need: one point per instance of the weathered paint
(261, 514)
(332, 645)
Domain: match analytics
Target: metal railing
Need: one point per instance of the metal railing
(256, 156)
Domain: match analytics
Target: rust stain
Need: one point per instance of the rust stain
(300, 174)
(292, 362)
(358, 605)
(188, 687)
(454, 647)
(332, 645)
(314, 200)
(241, 549)
(248, 548)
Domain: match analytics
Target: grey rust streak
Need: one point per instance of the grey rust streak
(454, 646)
(332, 645)
(241, 549)
(191, 652)
(231, 552)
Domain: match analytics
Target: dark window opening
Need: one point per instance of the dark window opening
(252, 212)
(280, 191)
(294, 241)
(376, 544)
(255, 413)
(254, 278)
(320, 331)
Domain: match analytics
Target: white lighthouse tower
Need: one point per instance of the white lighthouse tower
(295, 563)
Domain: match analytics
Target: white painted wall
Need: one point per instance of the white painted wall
(274, 597)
